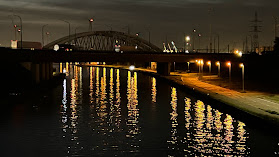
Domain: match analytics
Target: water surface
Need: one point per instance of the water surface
(111, 112)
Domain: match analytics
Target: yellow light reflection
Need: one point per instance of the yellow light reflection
(200, 133)
(118, 100)
(132, 105)
(61, 67)
(241, 142)
(91, 82)
(153, 90)
(97, 85)
(174, 139)
(103, 100)
(187, 112)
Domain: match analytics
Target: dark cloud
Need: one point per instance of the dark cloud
(171, 18)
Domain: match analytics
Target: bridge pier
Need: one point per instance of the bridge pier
(41, 71)
(163, 68)
(35, 69)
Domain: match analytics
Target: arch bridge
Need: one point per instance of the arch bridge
(104, 41)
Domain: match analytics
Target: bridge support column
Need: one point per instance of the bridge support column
(35, 68)
(50, 70)
(47, 71)
(172, 67)
(163, 68)
(43, 71)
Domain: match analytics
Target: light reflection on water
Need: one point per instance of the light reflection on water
(113, 124)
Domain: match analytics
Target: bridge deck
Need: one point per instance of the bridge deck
(110, 56)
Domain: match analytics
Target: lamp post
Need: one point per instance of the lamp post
(218, 64)
(43, 34)
(199, 40)
(69, 29)
(209, 66)
(20, 30)
(187, 39)
(242, 66)
(76, 35)
(218, 49)
(199, 64)
(230, 66)
(47, 34)
(148, 29)
(194, 31)
(90, 24)
(188, 66)
(14, 25)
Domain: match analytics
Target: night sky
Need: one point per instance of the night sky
(230, 19)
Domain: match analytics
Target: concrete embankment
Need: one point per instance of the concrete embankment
(256, 104)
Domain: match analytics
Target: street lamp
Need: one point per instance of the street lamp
(47, 33)
(194, 31)
(15, 30)
(199, 64)
(230, 66)
(187, 39)
(90, 24)
(209, 66)
(242, 66)
(218, 49)
(69, 29)
(43, 34)
(188, 66)
(218, 64)
(199, 35)
(20, 30)
(76, 35)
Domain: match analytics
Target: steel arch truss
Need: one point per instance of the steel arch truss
(104, 41)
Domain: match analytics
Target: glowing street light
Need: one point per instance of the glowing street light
(218, 64)
(242, 66)
(187, 38)
(132, 67)
(230, 66)
(199, 35)
(209, 66)
(199, 64)
(238, 53)
(90, 24)
(20, 30)
(15, 31)
(188, 66)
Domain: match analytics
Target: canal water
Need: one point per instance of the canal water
(98, 111)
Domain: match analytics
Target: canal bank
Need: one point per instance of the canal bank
(258, 104)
